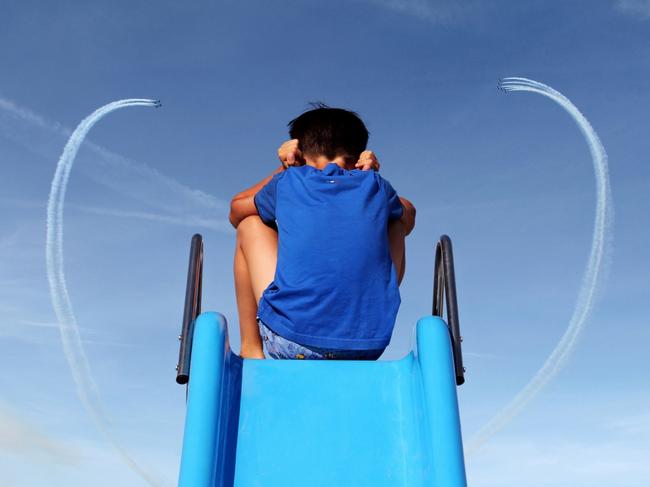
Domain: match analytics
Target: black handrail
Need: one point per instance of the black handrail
(192, 308)
(444, 289)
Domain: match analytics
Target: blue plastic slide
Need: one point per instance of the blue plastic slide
(320, 423)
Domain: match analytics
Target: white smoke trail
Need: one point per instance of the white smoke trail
(70, 338)
(220, 225)
(126, 176)
(189, 221)
(593, 274)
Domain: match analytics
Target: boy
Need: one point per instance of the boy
(320, 246)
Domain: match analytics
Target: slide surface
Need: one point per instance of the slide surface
(321, 423)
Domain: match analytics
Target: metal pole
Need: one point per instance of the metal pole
(444, 293)
(192, 308)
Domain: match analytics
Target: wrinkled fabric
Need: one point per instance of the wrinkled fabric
(335, 285)
(280, 348)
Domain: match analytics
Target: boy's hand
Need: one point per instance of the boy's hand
(290, 154)
(367, 161)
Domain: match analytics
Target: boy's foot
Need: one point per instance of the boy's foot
(251, 352)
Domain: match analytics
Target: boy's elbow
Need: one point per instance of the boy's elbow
(408, 215)
(234, 216)
(409, 209)
(241, 206)
(233, 221)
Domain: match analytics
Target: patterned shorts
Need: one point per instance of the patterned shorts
(281, 348)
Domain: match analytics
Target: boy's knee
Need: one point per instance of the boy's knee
(248, 224)
(250, 228)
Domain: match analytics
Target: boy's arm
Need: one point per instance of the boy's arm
(397, 232)
(408, 215)
(242, 204)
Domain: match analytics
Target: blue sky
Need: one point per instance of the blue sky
(508, 177)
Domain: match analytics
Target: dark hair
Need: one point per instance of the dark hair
(329, 131)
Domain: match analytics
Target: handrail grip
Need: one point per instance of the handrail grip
(444, 292)
(192, 308)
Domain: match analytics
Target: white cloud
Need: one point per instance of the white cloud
(561, 463)
(446, 11)
(636, 425)
(482, 355)
(435, 11)
(219, 225)
(39, 333)
(9, 240)
(17, 437)
(190, 220)
(31, 459)
(636, 8)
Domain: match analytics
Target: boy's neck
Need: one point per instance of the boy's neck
(320, 162)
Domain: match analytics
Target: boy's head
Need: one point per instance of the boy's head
(330, 132)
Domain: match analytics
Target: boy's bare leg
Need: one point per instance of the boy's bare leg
(256, 255)
(251, 343)
(396, 241)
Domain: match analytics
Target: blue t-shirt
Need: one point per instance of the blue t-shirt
(335, 285)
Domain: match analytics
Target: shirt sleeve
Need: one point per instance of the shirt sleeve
(265, 200)
(395, 209)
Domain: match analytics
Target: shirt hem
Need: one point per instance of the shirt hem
(323, 342)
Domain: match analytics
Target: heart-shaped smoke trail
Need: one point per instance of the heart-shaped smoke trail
(70, 338)
(601, 242)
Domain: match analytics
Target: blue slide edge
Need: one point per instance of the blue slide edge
(213, 404)
(434, 355)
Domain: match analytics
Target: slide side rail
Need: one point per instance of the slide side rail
(444, 293)
(192, 309)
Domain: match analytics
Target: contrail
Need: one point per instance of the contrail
(217, 224)
(194, 222)
(600, 245)
(114, 171)
(68, 328)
